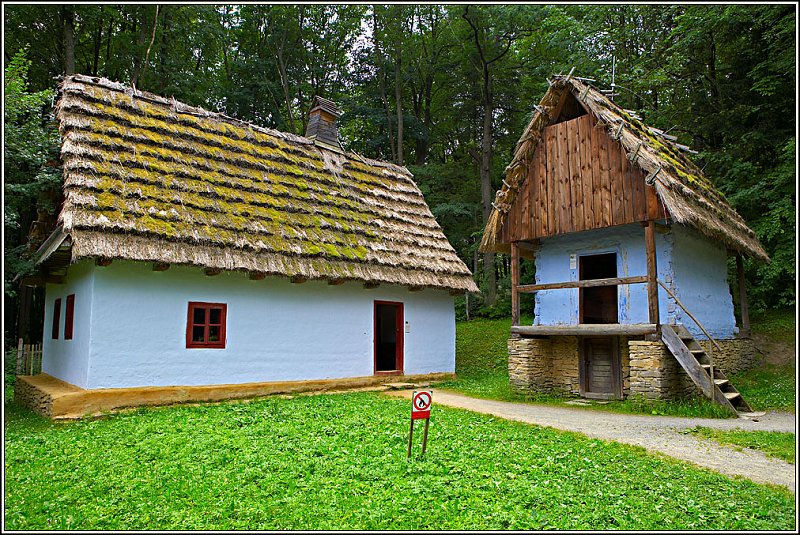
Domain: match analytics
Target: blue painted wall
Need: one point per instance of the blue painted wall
(693, 267)
(701, 283)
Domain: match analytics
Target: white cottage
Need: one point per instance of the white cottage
(194, 249)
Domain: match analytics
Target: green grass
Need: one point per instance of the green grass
(768, 387)
(339, 462)
(780, 325)
(482, 371)
(779, 445)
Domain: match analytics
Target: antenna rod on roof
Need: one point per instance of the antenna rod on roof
(613, 75)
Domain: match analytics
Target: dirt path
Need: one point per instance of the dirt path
(654, 433)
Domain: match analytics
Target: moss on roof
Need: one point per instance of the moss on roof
(147, 178)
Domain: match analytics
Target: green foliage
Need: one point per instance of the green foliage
(29, 142)
(339, 462)
(720, 77)
(9, 374)
(780, 445)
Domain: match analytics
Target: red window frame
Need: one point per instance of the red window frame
(68, 316)
(399, 354)
(56, 317)
(206, 324)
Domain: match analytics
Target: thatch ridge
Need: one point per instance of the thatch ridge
(151, 179)
(687, 194)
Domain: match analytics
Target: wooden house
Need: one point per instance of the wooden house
(630, 244)
(195, 250)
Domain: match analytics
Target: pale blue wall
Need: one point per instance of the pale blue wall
(276, 331)
(69, 359)
(560, 307)
(701, 283)
(693, 267)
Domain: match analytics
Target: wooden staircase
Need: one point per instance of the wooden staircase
(700, 367)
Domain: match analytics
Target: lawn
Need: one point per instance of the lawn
(339, 462)
(778, 445)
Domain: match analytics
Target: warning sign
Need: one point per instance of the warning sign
(421, 405)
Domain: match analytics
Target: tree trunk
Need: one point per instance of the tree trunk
(98, 39)
(398, 102)
(382, 85)
(141, 40)
(69, 39)
(423, 144)
(486, 183)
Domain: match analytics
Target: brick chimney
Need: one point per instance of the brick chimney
(322, 123)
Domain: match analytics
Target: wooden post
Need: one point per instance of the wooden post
(19, 356)
(745, 330)
(514, 284)
(652, 271)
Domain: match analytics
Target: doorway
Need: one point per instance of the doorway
(598, 304)
(388, 337)
(600, 370)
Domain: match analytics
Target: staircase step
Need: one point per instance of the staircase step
(700, 351)
(731, 395)
(720, 382)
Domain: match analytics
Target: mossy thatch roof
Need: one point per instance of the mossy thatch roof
(150, 179)
(689, 197)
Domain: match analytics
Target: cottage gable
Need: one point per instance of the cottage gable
(579, 179)
(150, 179)
(578, 137)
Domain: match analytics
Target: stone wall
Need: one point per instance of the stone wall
(544, 365)
(529, 365)
(550, 365)
(28, 395)
(564, 371)
(737, 354)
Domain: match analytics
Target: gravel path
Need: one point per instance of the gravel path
(654, 433)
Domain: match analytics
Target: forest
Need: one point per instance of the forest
(445, 90)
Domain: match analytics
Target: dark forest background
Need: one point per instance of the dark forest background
(444, 90)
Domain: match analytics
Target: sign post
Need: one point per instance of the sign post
(420, 410)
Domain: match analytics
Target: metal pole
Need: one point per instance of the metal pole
(410, 437)
(425, 436)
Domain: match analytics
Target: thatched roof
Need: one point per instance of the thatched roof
(150, 179)
(689, 197)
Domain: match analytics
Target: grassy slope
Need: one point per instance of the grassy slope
(771, 386)
(339, 462)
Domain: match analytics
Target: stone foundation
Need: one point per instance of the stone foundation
(655, 373)
(550, 365)
(737, 355)
(57, 399)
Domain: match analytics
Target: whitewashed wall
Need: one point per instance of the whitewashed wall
(276, 331)
(69, 359)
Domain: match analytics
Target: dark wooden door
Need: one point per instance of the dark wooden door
(388, 337)
(598, 304)
(600, 368)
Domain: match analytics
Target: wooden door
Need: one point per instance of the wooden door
(388, 337)
(600, 368)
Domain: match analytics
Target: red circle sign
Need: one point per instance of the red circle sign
(421, 405)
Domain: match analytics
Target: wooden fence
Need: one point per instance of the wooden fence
(29, 358)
